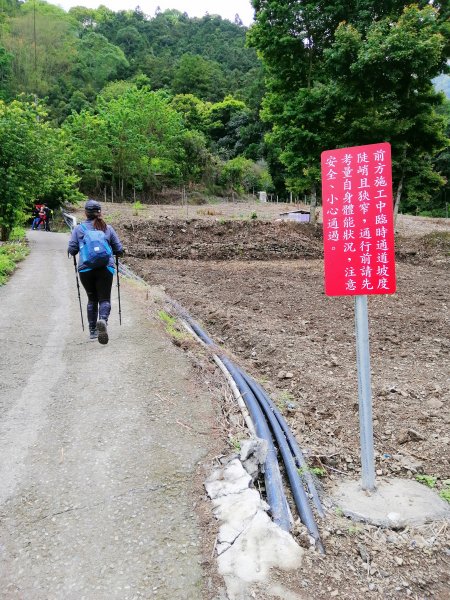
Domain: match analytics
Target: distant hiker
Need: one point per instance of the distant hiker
(38, 216)
(41, 217)
(35, 215)
(97, 244)
(48, 216)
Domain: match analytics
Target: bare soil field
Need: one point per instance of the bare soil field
(256, 286)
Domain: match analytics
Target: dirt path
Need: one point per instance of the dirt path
(100, 446)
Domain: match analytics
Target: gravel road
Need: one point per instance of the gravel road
(98, 457)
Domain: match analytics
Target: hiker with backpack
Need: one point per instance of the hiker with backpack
(48, 216)
(97, 243)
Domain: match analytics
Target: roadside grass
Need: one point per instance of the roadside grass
(430, 481)
(11, 253)
(317, 471)
(171, 326)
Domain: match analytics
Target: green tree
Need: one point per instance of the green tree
(5, 73)
(98, 61)
(33, 163)
(131, 41)
(199, 76)
(135, 140)
(438, 206)
(41, 39)
(391, 94)
(242, 175)
(199, 163)
(193, 109)
(91, 155)
(224, 122)
(334, 84)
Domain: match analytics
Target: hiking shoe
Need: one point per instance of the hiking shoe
(102, 331)
(93, 334)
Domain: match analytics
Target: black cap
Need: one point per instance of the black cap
(92, 206)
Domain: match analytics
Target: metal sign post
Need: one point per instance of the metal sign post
(364, 393)
(358, 237)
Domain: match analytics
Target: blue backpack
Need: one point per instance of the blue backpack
(95, 251)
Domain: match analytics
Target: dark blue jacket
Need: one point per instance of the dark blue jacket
(110, 235)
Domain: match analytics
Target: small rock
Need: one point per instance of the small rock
(434, 403)
(403, 436)
(253, 454)
(410, 464)
(415, 436)
(363, 553)
(399, 560)
(409, 435)
(394, 520)
(289, 375)
(281, 374)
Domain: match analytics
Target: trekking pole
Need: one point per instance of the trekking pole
(78, 288)
(118, 289)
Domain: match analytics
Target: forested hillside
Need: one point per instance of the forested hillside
(141, 104)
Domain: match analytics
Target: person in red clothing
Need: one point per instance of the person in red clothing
(42, 217)
(38, 211)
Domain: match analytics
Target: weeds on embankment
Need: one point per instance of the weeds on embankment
(11, 253)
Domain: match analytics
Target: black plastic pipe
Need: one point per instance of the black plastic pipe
(299, 494)
(286, 441)
(274, 488)
(295, 448)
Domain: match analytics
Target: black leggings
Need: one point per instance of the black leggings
(98, 284)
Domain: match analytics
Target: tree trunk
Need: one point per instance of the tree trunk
(4, 233)
(398, 196)
(312, 206)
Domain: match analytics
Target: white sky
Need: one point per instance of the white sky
(194, 8)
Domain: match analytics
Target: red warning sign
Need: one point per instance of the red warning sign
(358, 223)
